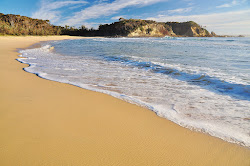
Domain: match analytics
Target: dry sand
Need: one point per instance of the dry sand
(49, 123)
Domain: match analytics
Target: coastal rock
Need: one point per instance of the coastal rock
(213, 34)
(149, 28)
(189, 29)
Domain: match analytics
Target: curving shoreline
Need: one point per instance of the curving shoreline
(49, 123)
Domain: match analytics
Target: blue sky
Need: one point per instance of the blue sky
(220, 16)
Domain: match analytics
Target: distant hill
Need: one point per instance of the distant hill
(149, 28)
(135, 28)
(11, 24)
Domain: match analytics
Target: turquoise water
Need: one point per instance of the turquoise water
(199, 83)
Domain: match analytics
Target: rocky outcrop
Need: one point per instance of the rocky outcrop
(213, 34)
(149, 28)
(135, 28)
(190, 29)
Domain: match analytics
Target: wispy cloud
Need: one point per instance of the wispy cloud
(231, 4)
(189, 2)
(106, 9)
(51, 10)
(236, 22)
(180, 10)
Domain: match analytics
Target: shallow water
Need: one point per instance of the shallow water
(199, 83)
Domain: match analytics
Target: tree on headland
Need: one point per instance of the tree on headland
(121, 19)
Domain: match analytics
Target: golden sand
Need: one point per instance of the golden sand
(46, 123)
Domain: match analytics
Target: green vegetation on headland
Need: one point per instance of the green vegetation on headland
(21, 25)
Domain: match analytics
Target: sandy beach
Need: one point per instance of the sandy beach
(46, 123)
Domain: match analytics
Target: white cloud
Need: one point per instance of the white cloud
(101, 1)
(233, 3)
(224, 5)
(50, 10)
(106, 9)
(92, 25)
(180, 10)
(189, 2)
(236, 22)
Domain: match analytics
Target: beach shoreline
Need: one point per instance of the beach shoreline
(50, 123)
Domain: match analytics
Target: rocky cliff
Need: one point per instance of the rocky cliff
(190, 29)
(149, 28)
(135, 28)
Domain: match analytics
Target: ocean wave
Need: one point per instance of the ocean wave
(193, 100)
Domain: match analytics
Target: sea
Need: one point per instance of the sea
(199, 83)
